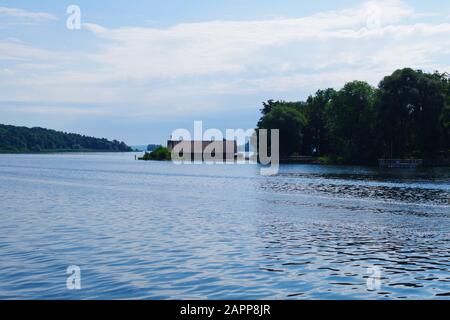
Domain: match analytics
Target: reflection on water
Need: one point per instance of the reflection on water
(154, 230)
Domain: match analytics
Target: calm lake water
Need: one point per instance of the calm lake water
(154, 230)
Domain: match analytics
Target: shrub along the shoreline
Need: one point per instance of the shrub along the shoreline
(159, 154)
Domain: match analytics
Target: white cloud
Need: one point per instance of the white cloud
(27, 15)
(229, 46)
(200, 67)
(61, 110)
(18, 51)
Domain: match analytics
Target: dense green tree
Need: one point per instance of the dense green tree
(158, 154)
(445, 119)
(22, 139)
(315, 135)
(409, 114)
(349, 120)
(287, 117)
(445, 116)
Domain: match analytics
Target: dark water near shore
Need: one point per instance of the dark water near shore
(153, 230)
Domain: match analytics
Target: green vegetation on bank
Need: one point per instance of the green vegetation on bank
(158, 154)
(24, 140)
(407, 116)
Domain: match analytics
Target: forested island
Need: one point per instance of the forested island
(406, 116)
(34, 140)
(159, 154)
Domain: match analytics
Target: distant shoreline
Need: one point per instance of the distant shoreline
(66, 151)
(14, 139)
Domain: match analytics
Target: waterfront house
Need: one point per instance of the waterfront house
(204, 150)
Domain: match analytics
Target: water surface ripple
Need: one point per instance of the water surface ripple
(154, 230)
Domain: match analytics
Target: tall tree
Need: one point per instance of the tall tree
(287, 117)
(315, 137)
(350, 117)
(409, 114)
(445, 116)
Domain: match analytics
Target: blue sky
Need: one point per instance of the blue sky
(137, 70)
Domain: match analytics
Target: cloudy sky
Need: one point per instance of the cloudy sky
(137, 70)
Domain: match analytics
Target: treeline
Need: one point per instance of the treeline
(22, 139)
(406, 116)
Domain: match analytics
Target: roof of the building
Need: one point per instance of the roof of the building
(225, 145)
